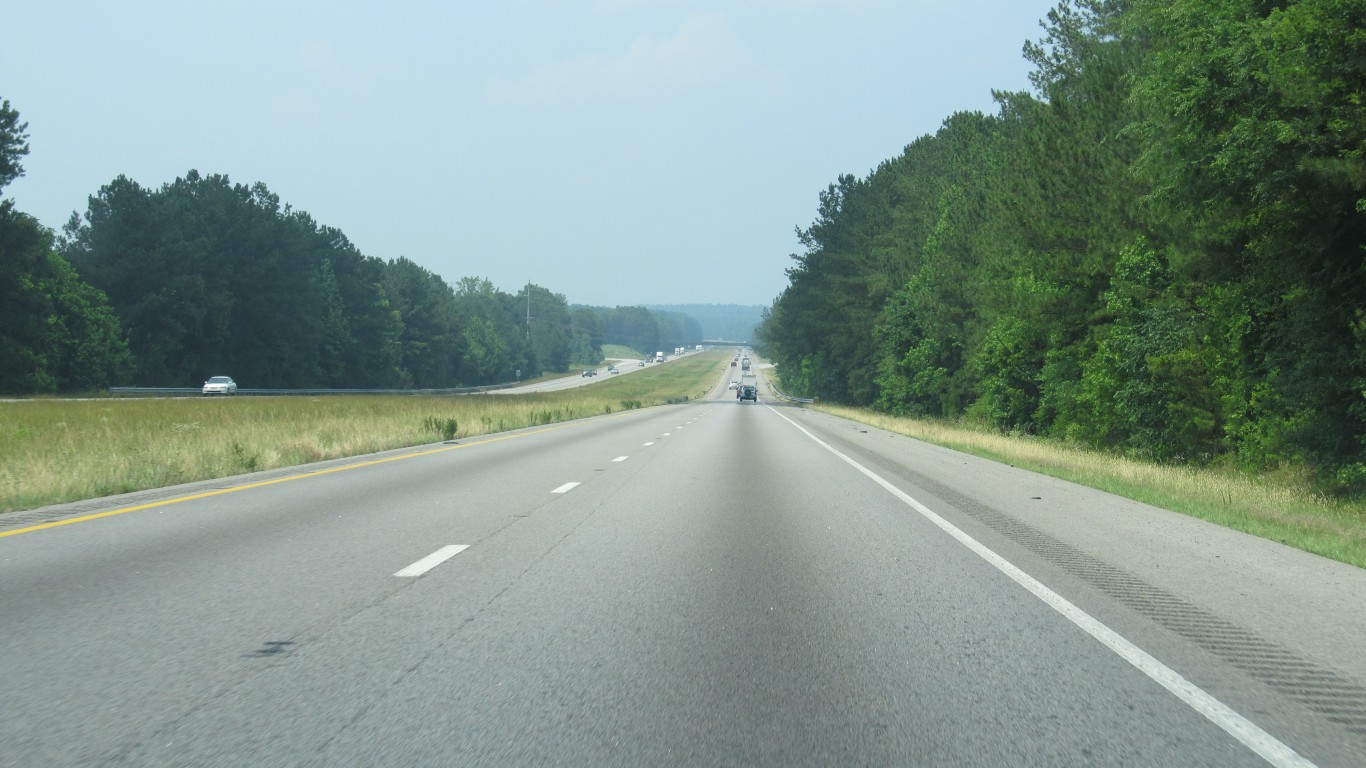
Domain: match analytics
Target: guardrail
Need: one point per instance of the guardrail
(186, 391)
(791, 399)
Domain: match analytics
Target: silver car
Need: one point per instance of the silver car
(220, 385)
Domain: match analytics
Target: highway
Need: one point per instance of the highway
(624, 367)
(712, 583)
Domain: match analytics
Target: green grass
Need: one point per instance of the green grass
(55, 451)
(1279, 507)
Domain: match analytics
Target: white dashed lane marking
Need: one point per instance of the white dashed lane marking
(433, 560)
(566, 488)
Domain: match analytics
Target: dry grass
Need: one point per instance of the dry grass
(1280, 507)
(55, 451)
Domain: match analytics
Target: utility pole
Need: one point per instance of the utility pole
(528, 311)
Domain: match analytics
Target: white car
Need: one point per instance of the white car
(735, 385)
(220, 385)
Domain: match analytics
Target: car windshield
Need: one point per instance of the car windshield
(219, 380)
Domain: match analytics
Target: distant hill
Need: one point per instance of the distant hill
(732, 322)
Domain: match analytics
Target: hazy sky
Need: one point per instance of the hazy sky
(615, 151)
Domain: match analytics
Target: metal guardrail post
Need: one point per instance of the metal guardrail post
(789, 398)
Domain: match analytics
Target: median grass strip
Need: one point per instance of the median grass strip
(1277, 507)
(56, 451)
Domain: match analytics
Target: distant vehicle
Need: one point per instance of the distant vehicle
(735, 385)
(699, 348)
(220, 385)
(744, 365)
(748, 392)
(612, 369)
(732, 363)
(640, 364)
(590, 372)
(659, 357)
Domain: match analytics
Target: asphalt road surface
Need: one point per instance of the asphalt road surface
(707, 584)
(577, 380)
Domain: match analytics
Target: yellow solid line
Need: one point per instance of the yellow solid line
(234, 489)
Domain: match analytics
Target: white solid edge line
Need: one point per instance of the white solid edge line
(567, 487)
(433, 560)
(1264, 744)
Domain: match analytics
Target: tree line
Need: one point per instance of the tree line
(202, 276)
(729, 322)
(1158, 250)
